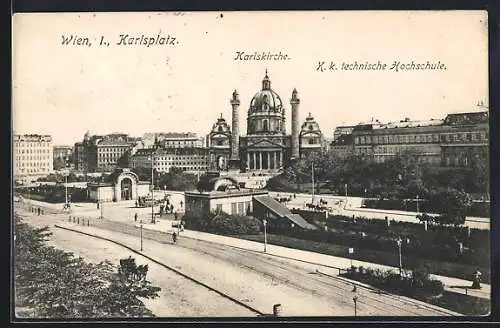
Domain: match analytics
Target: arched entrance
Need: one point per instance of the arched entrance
(126, 188)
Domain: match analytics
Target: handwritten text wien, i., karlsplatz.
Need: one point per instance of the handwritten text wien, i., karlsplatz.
(120, 40)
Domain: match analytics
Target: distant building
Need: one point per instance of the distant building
(33, 156)
(457, 140)
(343, 146)
(103, 153)
(191, 160)
(219, 144)
(63, 155)
(173, 140)
(342, 130)
(266, 147)
(63, 152)
(123, 185)
(311, 137)
(223, 194)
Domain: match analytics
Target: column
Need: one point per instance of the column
(260, 160)
(280, 159)
(268, 160)
(248, 160)
(275, 166)
(254, 160)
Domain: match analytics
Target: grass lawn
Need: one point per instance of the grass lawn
(457, 270)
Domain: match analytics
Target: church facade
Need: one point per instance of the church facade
(266, 146)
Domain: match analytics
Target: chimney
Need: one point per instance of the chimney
(294, 102)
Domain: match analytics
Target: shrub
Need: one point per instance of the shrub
(227, 224)
(417, 283)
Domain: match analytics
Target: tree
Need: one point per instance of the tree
(452, 205)
(55, 284)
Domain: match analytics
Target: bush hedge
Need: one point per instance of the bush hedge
(415, 284)
(438, 242)
(55, 194)
(478, 209)
(224, 224)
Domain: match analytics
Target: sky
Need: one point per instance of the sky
(66, 90)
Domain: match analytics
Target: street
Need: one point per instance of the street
(256, 279)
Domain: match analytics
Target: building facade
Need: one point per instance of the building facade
(219, 145)
(457, 140)
(191, 160)
(63, 152)
(124, 185)
(173, 140)
(311, 137)
(33, 157)
(103, 153)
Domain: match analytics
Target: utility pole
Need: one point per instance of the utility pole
(265, 235)
(152, 189)
(141, 235)
(345, 186)
(399, 242)
(312, 179)
(66, 187)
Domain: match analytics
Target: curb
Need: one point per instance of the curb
(167, 267)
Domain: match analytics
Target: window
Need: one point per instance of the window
(234, 208)
(241, 208)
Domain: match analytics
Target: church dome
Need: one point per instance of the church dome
(266, 99)
(310, 126)
(221, 126)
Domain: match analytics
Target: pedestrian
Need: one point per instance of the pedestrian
(97, 205)
(135, 217)
(476, 281)
(136, 204)
(176, 215)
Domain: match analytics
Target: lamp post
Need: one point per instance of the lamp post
(418, 208)
(399, 242)
(355, 299)
(265, 235)
(141, 235)
(66, 187)
(102, 210)
(345, 186)
(152, 190)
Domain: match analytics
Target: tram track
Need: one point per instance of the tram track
(329, 287)
(168, 267)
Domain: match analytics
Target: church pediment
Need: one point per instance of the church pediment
(265, 143)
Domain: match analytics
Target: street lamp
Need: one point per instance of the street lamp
(399, 242)
(345, 186)
(418, 209)
(355, 299)
(152, 190)
(141, 235)
(265, 235)
(66, 187)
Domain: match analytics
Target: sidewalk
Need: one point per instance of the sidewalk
(332, 263)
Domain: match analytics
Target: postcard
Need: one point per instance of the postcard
(250, 164)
